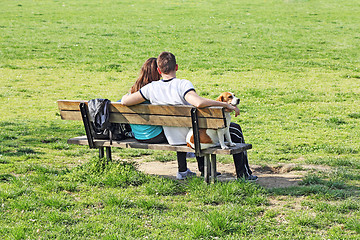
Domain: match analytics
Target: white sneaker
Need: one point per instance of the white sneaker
(184, 175)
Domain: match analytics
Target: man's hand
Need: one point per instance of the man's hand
(231, 108)
(194, 99)
(237, 111)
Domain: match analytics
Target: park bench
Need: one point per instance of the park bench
(147, 114)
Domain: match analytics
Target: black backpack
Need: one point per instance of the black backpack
(102, 128)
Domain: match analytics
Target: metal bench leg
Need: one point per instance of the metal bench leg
(101, 152)
(206, 168)
(213, 168)
(108, 154)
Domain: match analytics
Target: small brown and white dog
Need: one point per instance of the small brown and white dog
(210, 137)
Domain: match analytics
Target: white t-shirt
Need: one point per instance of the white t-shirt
(169, 92)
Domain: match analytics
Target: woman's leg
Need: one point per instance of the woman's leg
(240, 160)
(181, 159)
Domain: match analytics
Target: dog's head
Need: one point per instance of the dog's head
(229, 98)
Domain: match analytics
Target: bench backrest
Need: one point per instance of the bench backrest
(148, 114)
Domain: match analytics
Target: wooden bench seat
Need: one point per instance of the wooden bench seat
(132, 143)
(147, 114)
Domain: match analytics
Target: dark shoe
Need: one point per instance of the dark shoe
(217, 174)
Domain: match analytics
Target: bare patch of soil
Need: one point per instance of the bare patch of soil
(280, 176)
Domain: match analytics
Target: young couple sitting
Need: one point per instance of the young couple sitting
(157, 84)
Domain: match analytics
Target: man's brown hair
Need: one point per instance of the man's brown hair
(166, 62)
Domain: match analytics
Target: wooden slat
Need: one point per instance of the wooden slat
(148, 114)
(172, 121)
(70, 115)
(69, 105)
(132, 143)
(179, 110)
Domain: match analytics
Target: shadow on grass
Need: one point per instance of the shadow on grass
(28, 137)
(313, 185)
(6, 177)
(19, 152)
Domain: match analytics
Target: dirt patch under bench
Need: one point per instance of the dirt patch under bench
(284, 175)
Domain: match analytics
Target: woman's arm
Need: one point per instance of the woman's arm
(194, 99)
(132, 99)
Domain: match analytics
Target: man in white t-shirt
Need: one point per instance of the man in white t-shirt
(169, 92)
(173, 91)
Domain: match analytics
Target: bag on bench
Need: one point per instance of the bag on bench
(102, 128)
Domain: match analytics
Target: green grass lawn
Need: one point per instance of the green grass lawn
(295, 65)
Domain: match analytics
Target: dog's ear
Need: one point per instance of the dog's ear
(220, 98)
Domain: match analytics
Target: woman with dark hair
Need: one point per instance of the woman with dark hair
(148, 73)
(147, 133)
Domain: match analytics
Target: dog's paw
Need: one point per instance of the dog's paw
(232, 144)
(224, 147)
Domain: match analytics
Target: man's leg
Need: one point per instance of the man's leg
(240, 160)
(200, 161)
